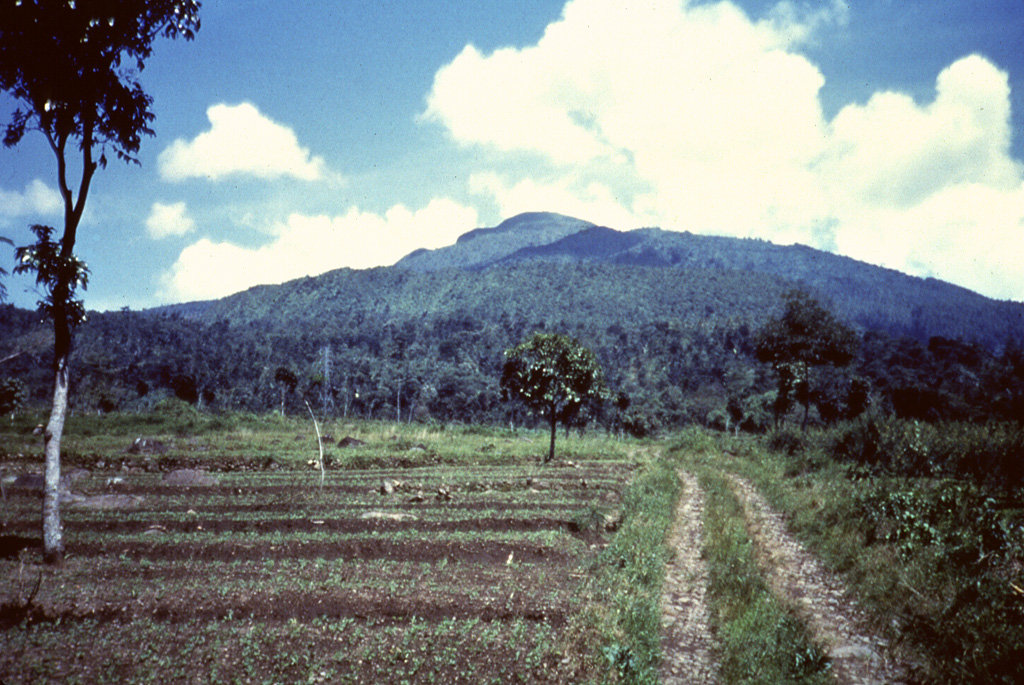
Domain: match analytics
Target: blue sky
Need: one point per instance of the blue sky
(351, 133)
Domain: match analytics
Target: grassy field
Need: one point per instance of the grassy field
(427, 555)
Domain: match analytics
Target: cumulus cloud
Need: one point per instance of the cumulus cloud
(713, 123)
(37, 199)
(241, 140)
(310, 245)
(169, 220)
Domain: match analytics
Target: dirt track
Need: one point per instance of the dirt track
(687, 642)
(793, 574)
(819, 596)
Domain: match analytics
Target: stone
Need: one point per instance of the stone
(189, 477)
(147, 446)
(114, 501)
(30, 481)
(388, 516)
(349, 441)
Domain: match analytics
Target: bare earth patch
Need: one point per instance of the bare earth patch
(819, 596)
(687, 643)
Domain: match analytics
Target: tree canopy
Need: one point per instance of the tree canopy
(805, 336)
(554, 375)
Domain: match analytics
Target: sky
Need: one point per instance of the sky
(348, 134)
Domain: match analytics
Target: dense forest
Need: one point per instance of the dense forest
(672, 319)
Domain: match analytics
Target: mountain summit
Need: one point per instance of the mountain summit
(482, 247)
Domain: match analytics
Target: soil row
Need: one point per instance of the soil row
(311, 525)
(483, 551)
(302, 606)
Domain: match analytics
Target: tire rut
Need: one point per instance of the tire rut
(818, 595)
(687, 643)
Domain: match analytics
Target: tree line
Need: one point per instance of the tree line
(661, 374)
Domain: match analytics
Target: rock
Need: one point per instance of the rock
(444, 494)
(114, 501)
(611, 522)
(388, 516)
(147, 446)
(189, 477)
(39, 430)
(76, 475)
(854, 651)
(349, 441)
(418, 497)
(387, 486)
(30, 481)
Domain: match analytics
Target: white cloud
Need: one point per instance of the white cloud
(169, 220)
(696, 101)
(310, 245)
(241, 140)
(37, 199)
(713, 123)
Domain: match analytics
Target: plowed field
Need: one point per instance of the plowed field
(438, 574)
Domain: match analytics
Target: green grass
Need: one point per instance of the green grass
(630, 574)
(233, 441)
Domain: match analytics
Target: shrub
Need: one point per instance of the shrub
(787, 441)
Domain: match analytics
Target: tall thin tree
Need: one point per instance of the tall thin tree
(73, 68)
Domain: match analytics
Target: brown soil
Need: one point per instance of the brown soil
(818, 596)
(687, 643)
(365, 549)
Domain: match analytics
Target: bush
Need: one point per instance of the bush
(788, 441)
(985, 454)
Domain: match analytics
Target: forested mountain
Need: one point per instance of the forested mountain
(670, 316)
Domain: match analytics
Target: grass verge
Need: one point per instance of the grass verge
(625, 590)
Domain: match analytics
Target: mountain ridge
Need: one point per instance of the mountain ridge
(561, 248)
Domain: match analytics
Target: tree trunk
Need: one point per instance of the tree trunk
(53, 534)
(554, 424)
(806, 393)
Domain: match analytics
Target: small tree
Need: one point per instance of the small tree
(12, 396)
(287, 382)
(553, 375)
(68, 65)
(806, 336)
